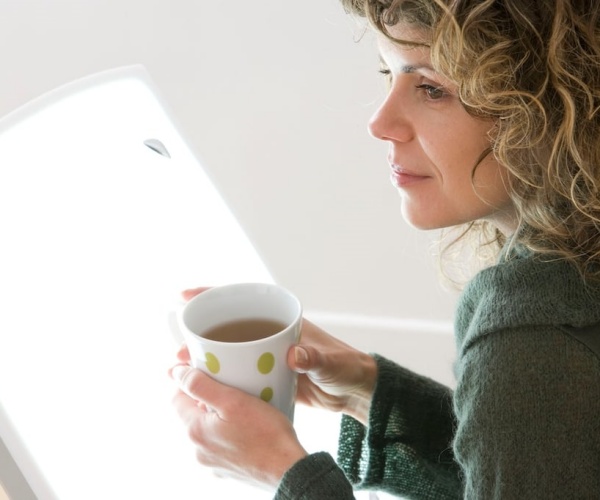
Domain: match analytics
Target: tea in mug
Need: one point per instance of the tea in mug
(244, 330)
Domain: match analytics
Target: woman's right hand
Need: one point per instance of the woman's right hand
(333, 375)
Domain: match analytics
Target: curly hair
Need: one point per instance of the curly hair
(533, 68)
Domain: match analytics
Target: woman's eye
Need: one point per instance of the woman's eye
(385, 72)
(432, 91)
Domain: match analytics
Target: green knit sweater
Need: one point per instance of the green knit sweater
(522, 423)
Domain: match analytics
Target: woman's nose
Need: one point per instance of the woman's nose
(390, 122)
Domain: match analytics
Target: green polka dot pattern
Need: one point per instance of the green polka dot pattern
(266, 363)
(266, 394)
(212, 363)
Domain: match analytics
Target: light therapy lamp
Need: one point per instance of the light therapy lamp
(105, 216)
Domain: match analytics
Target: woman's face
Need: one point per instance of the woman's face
(434, 145)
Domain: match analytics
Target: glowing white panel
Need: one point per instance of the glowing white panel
(99, 233)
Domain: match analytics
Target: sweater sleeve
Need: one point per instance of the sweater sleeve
(406, 450)
(316, 477)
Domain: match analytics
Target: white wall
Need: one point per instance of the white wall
(274, 97)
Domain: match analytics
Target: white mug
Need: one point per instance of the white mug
(255, 361)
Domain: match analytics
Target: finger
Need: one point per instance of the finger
(187, 408)
(183, 355)
(224, 400)
(306, 390)
(192, 292)
(298, 359)
(189, 380)
(305, 359)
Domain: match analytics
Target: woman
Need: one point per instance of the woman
(492, 121)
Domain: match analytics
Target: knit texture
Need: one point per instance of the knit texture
(527, 400)
(524, 420)
(315, 477)
(406, 449)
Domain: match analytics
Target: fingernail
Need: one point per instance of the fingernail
(179, 371)
(300, 356)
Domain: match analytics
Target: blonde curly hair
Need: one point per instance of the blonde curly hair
(534, 68)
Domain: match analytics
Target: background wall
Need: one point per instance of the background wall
(274, 97)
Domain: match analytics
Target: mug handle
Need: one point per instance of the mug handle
(174, 327)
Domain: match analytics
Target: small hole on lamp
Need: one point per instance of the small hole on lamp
(157, 146)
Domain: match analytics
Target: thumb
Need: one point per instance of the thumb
(223, 399)
(197, 384)
(303, 359)
(188, 379)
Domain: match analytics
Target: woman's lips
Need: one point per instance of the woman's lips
(404, 178)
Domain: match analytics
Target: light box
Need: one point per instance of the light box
(105, 216)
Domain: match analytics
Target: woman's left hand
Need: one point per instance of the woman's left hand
(235, 434)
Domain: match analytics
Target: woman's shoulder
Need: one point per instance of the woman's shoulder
(524, 290)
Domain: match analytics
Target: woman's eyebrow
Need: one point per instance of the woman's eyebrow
(408, 68)
(411, 68)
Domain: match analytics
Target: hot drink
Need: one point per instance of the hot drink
(244, 330)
